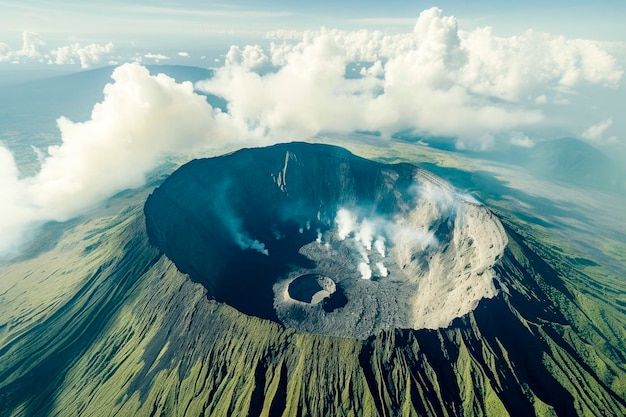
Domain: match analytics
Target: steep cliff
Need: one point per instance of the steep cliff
(404, 250)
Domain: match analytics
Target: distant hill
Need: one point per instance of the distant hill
(575, 161)
(567, 160)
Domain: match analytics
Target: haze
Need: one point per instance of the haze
(464, 82)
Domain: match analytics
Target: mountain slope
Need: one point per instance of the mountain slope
(575, 161)
(131, 335)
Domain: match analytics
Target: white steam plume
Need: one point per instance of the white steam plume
(365, 270)
(346, 222)
(382, 269)
(379, 245)
(246, 242)
(365, 234)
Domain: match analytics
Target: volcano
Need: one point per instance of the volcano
(302, 280)
(404, 249)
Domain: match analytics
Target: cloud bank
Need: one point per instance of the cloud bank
(141, 119)
(436, 80)
(32, 51)
(87, 55)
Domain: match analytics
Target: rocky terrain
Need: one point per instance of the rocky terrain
(405, 250)
(176, 308)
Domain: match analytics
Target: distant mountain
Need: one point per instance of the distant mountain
(575, 161)
(568, 160)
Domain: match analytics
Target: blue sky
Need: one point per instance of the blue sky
(205, 29)
(154, 23)
(543, 71)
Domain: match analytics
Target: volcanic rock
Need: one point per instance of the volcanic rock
(405, 250)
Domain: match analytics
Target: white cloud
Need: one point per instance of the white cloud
(31, 42)
(16, 215)
(5, 52)
(87, 55)
(596, 132)
(141, 119)
(251, 56)
(183, 54)
(521, 140)
(31, 50)
(156, 57)
(436, 80)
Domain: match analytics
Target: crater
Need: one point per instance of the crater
(311, 288)
(323, 241)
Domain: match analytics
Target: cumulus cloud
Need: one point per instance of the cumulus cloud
(183, 54)
(436, 80)
(250, 57)
(87, 55)
(32, 50)
(4, 52)
(511, 68)
(521, 140)
(595, 133)
(156, 57)
(141, 119)
(31, 42)
(16, 215)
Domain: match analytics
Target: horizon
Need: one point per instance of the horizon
(442, 76)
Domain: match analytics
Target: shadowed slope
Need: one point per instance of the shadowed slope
(404, 249)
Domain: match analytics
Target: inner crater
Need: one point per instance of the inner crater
(322, 241)
(311, 288)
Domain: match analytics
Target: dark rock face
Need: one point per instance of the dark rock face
(139, 338)
(236, 223)
(403, 248)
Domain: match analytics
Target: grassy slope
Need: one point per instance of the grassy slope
(102, 325)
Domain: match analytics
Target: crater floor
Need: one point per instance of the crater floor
(326, 242)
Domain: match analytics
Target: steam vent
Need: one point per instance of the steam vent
(322, 241)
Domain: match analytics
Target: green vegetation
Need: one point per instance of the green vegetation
(101, 324)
